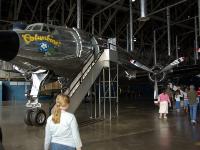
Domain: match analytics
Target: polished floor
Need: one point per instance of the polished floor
(136, 128)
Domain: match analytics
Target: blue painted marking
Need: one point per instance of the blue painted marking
(44, 46)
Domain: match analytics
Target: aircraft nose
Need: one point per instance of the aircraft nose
(9, 45)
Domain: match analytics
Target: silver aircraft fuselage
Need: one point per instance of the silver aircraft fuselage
(60, 49)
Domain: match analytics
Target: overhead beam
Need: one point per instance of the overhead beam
(172, 22)
(56, 8)
(186, 10)
(70, 13)
(123, 8)
(35, 8)
(160, 2)
(28, 5)
(106, 17)
(102, 10)
(110, 19)
(105, 3)
(19, 8)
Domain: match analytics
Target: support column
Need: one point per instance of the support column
(104, 95)
(15, 10)
(78, 14)
(63, 13)
(109, 86)
(99, 24)
(196, 39)
(117, 99)
(90, 99)
(48, 11)
(154, 47)
(199, 14)
(177, 48)
(99, 96)
(127, 38)
(168, 32)
(95, 101)
(0, 11)
(131, 26)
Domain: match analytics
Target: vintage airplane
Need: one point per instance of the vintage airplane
(44, 52)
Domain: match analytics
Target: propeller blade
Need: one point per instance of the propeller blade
(141, 66)
(130, 74)
(172, 64)
(155, 89)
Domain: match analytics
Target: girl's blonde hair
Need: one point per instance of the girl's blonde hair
(61, 101)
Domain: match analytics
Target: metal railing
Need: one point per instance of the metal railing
(84, 73)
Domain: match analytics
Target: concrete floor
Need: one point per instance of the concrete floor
(136, 128)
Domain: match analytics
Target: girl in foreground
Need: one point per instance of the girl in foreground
(61, 132)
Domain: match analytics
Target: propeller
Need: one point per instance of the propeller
(139, 65)
(130, 74)
(172, 64)
(155, 94)
(157, 73)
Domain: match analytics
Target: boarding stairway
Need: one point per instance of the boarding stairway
(87, 76)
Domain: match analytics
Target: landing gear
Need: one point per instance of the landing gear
(38, 117)
(27, 117)
(35, 117)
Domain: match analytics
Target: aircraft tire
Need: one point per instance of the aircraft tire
(38, 117)
(27, 117)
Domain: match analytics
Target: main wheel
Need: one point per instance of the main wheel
(27, 117)
(38, 117)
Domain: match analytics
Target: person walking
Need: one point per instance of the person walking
(198, 105)
(61, 131)
(170, 94)
(178, 100)
(185, 99)
(192, 96)
(163, 100)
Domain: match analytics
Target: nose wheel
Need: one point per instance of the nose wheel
(35, 117)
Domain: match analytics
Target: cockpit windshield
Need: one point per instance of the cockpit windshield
(40, 27)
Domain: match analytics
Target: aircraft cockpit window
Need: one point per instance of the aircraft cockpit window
(37, 28)
(51, 29)
(45, 29)
(29, 28)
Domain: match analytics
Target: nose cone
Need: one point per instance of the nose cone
(9, 45)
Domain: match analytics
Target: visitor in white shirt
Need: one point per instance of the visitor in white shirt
(61, 132)
(178, 100)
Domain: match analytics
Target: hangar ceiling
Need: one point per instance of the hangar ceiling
(114, 22)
